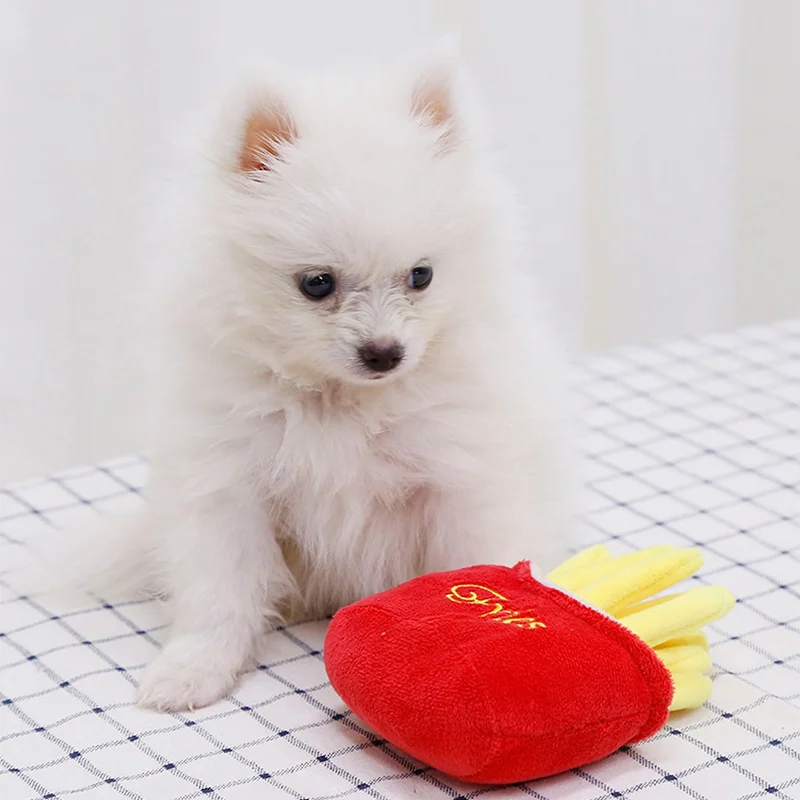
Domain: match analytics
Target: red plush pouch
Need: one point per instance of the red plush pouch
(492, 677)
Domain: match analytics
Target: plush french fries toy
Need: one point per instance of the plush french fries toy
(492, 676)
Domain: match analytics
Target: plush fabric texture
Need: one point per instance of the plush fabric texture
(492, 677)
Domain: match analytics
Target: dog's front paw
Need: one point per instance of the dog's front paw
(174, 683)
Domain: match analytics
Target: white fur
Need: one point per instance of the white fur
(285, 483)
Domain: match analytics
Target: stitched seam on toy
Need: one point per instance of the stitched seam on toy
(549, 735)
(558, 598)
(631, 653)
(498, 745)
(546, 736)
(494, 732)
(464, 649)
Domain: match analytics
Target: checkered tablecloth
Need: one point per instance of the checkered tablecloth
(690, 442)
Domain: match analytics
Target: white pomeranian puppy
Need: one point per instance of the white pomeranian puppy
(358, 385)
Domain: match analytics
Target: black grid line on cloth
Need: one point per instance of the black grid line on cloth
(273, 778)
(360, 786)
(82, 755)
(731, 758)
(652, 412)
(307, 694)
(349, 720)
(631, 368)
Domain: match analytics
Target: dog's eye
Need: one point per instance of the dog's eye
(318, 285)
(420, 277)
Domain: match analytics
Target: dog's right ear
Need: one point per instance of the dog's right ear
(437, 92)
(267, 130)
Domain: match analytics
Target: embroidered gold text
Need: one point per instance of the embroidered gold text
(476, 595)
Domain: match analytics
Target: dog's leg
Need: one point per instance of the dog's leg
(225, 573)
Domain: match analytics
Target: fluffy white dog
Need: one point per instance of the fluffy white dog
(358, 387)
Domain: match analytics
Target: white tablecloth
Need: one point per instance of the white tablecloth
(691, 442)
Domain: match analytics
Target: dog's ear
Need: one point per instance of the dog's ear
(268, 129)
(435, 99)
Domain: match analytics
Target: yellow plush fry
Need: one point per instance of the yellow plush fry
(641, 579)
(577, 579)
(691, 691)
(628, 588)
(688, 611)
(691, 638)
(644, 605)
(592, 555)
(685, 658)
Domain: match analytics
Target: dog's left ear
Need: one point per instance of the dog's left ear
(435, 94)
(268, 128)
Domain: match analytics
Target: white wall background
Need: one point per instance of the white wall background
(655, 143)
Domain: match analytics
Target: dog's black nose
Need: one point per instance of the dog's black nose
(381, 357)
